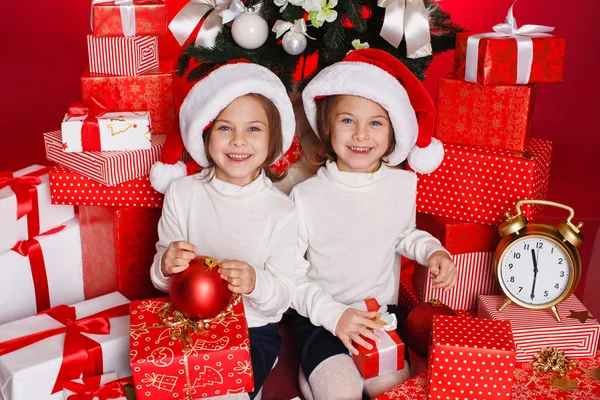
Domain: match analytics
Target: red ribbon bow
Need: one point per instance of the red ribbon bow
(81, 355)
(90, 388)
(90, 130)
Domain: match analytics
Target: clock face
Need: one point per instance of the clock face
(535, 270)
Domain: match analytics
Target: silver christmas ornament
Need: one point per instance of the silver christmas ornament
(250, 31)
(294, 43)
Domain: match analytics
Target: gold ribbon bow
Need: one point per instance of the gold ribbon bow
(552, 360)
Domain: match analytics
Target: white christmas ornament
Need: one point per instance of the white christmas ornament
(250, 30)
(294, 43)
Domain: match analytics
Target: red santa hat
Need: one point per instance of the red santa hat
(378, 76)
(204, 102)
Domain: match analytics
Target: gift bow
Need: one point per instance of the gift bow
(237, 8)
(81, 354)
(280, 27)
(127, 14)
(91, 388)
(90, 130)
(388, 321)
(191, 14)
(408, 19)
(509, 29)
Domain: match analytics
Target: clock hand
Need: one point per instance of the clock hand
(535, 271)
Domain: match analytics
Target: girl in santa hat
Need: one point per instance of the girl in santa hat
(371, 113)
(234, 123)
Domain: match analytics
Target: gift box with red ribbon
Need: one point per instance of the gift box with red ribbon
(169, 359)
(129, 56)
(70, 187)
(577, 334)
(385, 357)
(152, 92)
(25, 207)
(107, 167)
(45, 271)
(479, 184)
(118, 246)
(476, 276)
(64, 343)
(100, 387)
(491, 116)
(471, 358)
(129, 18)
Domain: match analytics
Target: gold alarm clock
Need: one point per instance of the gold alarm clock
(538, 265)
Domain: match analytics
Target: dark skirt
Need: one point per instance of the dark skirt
(265, 343)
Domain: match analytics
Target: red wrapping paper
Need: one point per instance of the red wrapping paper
(497, 60)
(413, 389)
(478, 184)
(216, 363)
(492, 116)
(118, 247)
(70, 187)
(457, 236)
(471, 358)
(534, 329)
(129, 56)
(152, 92)
(407, 294)
(150, 18)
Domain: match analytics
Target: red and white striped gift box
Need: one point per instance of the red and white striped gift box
(476, 276)
(107, 167)
(129, 56)
(534, 329)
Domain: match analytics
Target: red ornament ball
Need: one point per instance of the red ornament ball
(199, 292)
(419, 324)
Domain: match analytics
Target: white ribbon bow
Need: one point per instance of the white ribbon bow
(280, 27)
(191, 14)
(237, 8)
(408, 19)
(127, 14)
(508, 29)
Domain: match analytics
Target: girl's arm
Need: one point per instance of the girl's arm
(416, 244)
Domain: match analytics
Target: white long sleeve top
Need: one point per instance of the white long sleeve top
(255, 223)
(350, 226)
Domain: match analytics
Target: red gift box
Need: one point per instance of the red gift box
(407, 294)
(457, 236)
(492, 116)
(128, 56)
(496, 59)
(413, 389)
(470, 358)
(165, 365)
(385, 357)
(577, 335)
(476, 276)
(118, 250)
(479, 184)
(141, 18)
(107, 167)
(70, 187)
(152, 92)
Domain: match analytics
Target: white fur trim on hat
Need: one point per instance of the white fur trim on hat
(216, 91)
(373, 83)
(161, 174)
(425, 160)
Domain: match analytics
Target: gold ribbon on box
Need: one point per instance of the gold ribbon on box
(408, 19)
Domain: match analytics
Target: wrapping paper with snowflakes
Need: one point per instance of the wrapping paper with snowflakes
(470, 358)
(217, 362)
(116, 131)
(498, 59)
(577, 334)
(140, 18)
(413, 389)
(479, 184)
(477, 115)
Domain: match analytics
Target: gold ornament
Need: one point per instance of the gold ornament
(591, 373)
(551, 360)
(564, 384)
(582, 316)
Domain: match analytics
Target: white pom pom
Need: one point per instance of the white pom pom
(425, 160)
(161, 174)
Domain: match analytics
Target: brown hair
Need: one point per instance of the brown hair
(325, 108)
(275, 137)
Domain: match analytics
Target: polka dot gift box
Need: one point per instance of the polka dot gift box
(479, 184)
(168, 363)
(471, 359)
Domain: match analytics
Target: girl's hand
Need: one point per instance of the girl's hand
(240, 276)
(177, 257)
(352, 324)
(442, 270)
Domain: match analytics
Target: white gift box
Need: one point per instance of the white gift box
(104, 379)
(119, 131)
(31, 372)
(62, 263)
(12, 229)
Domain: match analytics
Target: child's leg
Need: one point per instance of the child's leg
(265, 343)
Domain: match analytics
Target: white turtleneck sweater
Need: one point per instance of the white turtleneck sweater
(350, 226)
(255, 223)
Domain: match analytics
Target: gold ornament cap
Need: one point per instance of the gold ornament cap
(512, 225)
(571, 233)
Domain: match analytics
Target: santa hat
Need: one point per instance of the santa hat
(204, 102)
(378, 76)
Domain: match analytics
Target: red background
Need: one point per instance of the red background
(44, 53)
